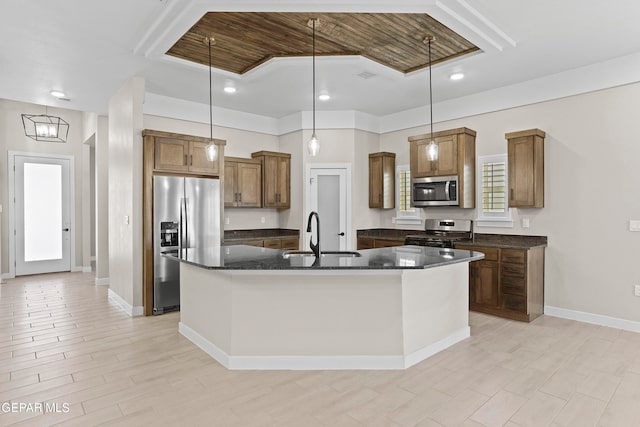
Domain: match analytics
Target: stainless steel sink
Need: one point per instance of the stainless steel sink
(323, 254)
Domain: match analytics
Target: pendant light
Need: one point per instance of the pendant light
(313, 146)
(43, 127)
(211, 149)
(432, 147)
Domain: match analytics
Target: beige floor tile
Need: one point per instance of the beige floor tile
(563, 383)
(419, 408)
(527, 382)
(622, 411)
(102, 416)
(493, 381)
(455, 411)
(581, 410)
(498, 410)
(538, 411)
(599, 385)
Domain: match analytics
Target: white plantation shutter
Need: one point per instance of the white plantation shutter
(405, 213)
(494, 187)
(493, 210)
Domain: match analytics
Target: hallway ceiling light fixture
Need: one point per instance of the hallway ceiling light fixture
(324, 97)
(211, 149)
(230, 89)
(432, 147)
(46, 128)
(313, 146)
(57, 93)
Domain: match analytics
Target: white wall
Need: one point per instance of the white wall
(125, 194)
(294, 144)
(102, 201)
(363, 216)
(12, 138)
(591, 192)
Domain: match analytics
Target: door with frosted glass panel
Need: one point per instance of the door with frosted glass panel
(42, 215)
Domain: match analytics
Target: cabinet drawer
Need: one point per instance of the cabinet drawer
(273, 243)
(365, 243)
(290, 244)
(490, 254)
(514, 285)
(517, 270)
(387, 243)
(515, 256)
(513, 302)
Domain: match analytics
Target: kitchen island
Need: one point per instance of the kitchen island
(257, 308)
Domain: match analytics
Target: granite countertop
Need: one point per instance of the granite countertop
(264, 233)
(507, 241)
(243, 257)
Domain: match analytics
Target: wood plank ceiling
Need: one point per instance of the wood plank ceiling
(245, 40)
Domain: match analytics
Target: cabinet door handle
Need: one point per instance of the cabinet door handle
(185, 160)
(511, 194)
(240, 197)
(191, 160)
(235, 197)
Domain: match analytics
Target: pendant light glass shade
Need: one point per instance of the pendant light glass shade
(313, 146)
(211, 149)
(432, 147)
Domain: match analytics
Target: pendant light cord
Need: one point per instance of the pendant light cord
(210, 96)
(314, 77)
(430, 92)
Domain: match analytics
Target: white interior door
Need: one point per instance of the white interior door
(328, 197)
(42, 215)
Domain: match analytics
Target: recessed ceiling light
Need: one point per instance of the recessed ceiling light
(57, 93)
(324, 97)
(230, 89)
(457, 76)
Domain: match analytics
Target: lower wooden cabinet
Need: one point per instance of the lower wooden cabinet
(285, 243)
(508, 282)
(372, 242)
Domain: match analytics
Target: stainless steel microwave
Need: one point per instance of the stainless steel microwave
(435, 191)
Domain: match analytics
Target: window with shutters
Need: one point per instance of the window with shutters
(405, 213)
(492, 190)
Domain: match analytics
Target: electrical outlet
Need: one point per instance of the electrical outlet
(262, 220)
(525, 222)
(126, 219)
(637, 290)
(227, 220)
(634, 225)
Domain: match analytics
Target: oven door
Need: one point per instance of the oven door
(436, 191)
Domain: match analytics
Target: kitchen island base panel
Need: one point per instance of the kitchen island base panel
(323, 320)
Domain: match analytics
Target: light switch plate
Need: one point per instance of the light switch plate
(525, 222)
(227, 221)
(634, 225)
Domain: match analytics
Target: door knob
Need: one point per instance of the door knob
(65, 229)
(341, 234)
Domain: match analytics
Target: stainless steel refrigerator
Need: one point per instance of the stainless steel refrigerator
(186, 215)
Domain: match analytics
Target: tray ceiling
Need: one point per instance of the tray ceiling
(244, 40)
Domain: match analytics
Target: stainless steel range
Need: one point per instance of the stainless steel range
(442, 233)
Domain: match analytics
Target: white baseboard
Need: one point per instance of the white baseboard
(319, 362)
(596, 319)
(8, 276)
(102, 281)
(76, 269)
(124, 305)
(86, 269)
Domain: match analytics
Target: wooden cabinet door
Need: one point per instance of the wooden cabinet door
(249, 184)
(198, 161)
(230, 184)
(521, 186)
(380, 243)
(483, 283)
(365, 243)
(447, 163)
(171, 154)
(270, 184)
(375, 182)
(420, 166)
(284, 182)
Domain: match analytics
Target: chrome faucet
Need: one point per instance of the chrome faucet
(314, 248)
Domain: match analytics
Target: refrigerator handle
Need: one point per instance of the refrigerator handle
(187, 245)
(182, 229)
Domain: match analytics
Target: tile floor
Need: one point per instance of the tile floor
(63, 343)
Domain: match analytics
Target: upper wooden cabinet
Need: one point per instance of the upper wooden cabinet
(526, 168)
(174, 152)
(456, 156)
(276, 178)
(382, 172)
(242, 182)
